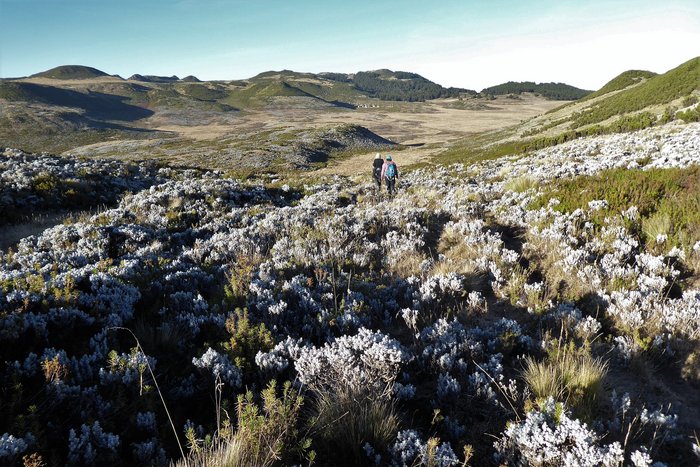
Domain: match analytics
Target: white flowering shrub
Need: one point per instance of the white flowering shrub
(365, 359)
(549, 437)
(410, 449)
(220, 367)
(12, 447)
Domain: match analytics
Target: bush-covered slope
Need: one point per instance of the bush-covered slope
(661, 89)
(622, 81)
(452, 324)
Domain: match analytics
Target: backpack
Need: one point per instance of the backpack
(390, 171)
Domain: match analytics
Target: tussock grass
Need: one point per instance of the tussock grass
(656, 225)
(570, 376)
(408, 264)
(521, 184)
(348, 418)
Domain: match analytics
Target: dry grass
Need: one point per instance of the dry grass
(346, 419)
(570, 376)
(408, 264)
(545, 256)
(521, 184)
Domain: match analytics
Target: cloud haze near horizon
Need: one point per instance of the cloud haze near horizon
(464, 44)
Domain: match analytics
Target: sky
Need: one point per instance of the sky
(463, 43)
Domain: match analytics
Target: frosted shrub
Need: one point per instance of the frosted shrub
(127, 368)
(409, 449)
(447, 346)
(11, 447)
(146, 421)
(280, 357)
(642, 428)
(365, 359)
(92, 444)
(447, 386)
(548, 437)
(220, 367)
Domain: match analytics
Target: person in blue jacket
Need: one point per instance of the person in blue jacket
(390, 172)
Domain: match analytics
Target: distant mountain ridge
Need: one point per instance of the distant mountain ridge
(154, 78)
(556, 91)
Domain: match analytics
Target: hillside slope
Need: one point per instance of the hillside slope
(631, 101)
(622, 81)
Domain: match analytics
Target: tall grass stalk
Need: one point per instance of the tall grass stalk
(155, 383)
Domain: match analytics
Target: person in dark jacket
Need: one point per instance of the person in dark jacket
(390, 172)
(377, 170)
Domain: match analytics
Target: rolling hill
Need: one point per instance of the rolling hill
(70, 72)
(73, 106)
(84, 105)
(557, 91)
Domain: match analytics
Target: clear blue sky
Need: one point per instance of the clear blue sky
(464, 43)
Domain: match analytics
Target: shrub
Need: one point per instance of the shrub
(657, 194)
(247, 339)
(690, 115)
(264, 436)
(550, 437)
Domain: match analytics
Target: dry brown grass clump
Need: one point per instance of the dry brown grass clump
(347, 418)
(568, 375)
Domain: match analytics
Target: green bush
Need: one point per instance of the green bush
(659, 194)
(264, 436)
(690, 115)
(247, 339)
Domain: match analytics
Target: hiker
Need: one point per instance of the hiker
(390, 172)
(377, 170)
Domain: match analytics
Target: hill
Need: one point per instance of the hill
(396, 85)
(631, 101)
(656, 90)
(70, 72)
(557, 91)
(200, 117)
(154, 78)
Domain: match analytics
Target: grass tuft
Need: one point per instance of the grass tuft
(570, 376)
